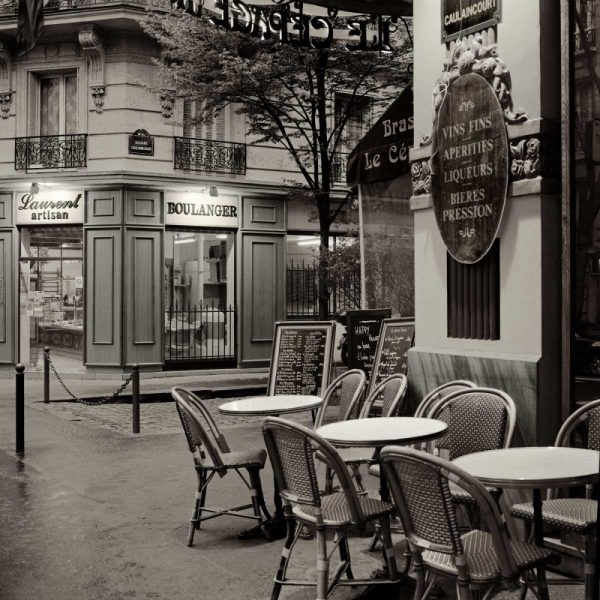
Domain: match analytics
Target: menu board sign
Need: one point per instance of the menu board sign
(363, 334)
(469, 174)
(463, 17)
(395, 339)
(301, 360)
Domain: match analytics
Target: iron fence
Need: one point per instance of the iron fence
(51, 152)
(199, 334)
(302, 293)
(210, 156)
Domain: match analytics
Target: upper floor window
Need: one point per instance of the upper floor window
(357, 113)
(217, 129)
(53, 106)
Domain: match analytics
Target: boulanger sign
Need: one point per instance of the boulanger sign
(55, 207)
(463, 17)
(469, 164)
(198, 210)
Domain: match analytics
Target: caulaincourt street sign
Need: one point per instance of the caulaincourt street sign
(469, 168)
(463, 17)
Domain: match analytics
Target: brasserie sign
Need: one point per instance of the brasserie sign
(55, 207)
(469, 168)
(463, 17)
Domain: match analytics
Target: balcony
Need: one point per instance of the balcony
(51, 152)
(210, 156)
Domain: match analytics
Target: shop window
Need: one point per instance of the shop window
(474, 297)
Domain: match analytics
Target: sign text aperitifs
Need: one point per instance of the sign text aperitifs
(469, 168)
(295, 28)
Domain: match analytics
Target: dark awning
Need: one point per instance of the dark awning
(397, 8)
(382, 154)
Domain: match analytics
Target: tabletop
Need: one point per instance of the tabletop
(381, 431)
(534, 466)
(278, 404)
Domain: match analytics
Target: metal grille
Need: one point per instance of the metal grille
(339, 164)
(210, 156)
(51, 152)
(474, 297)
(199, 334)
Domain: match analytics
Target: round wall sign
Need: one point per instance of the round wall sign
(469, 165)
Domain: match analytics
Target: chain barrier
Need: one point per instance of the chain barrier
(86, 401)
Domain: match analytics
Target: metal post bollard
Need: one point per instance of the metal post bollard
(20, 408)
(46, 374)
(135, 398)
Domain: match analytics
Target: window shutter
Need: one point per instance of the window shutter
(188, 108)
(33, 108)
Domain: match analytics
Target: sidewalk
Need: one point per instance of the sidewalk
(94, 512)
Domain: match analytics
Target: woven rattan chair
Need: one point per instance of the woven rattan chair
(479, 561)
(435, 395)
(343, 399)
(574, 515)
(292, 449)
(212, 455)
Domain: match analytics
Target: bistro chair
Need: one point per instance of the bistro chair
(292, 449)
(480, 562)
(576, 516)
(435, 395)
(212, 455)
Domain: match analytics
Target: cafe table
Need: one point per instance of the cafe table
(533, 468)
(265, 406)
(378, 432)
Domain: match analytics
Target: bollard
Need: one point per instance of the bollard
(135, 398)
(20, 408)
(46, 374)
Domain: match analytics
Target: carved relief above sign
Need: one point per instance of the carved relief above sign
(469, 168)
(463, 17)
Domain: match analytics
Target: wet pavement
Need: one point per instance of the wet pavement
(92, 511)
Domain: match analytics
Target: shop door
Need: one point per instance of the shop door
(51, 297)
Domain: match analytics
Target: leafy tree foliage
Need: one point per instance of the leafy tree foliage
(286, 93)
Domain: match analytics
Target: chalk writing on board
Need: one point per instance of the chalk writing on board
(363, 335)
(392, 352)
(300, 360)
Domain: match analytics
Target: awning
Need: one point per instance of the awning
(396, 8)
(382, 154)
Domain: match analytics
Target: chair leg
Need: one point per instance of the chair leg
(203, 490)
(589, 567)
(285, 556)
(358, 478)
(199, 500)
(462, 589)
(261, 497)
(344, 550)
(388, 548)
(254, 493)
(328, 480)
(419, 571)
(322, 564)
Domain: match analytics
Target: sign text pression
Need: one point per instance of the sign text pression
(469, 168)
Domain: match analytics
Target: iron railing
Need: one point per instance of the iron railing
(210, 156)
(199, 334)
(339, 164)
(302, 298)
(51, 152)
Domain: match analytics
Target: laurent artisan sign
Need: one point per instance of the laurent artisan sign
(199, 210)
(60, 207)
(469, 168)
(463, 17)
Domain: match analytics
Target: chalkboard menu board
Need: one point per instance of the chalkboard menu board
(396, 337)
(301, 359)
(362, 330)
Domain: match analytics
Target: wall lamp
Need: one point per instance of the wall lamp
(214, 191)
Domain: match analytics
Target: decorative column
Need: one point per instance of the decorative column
(5, 81)
(91, 44)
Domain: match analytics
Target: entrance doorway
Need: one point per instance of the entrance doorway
(51, 297)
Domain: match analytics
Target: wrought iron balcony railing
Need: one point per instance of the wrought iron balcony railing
(51, 152)
(210, 156)
(339, 165)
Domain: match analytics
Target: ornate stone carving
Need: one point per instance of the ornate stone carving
(534, 157)
(167, 102)
(474, 57)
(5, 81)
(91, 44)
(5, 101)
(421, 177)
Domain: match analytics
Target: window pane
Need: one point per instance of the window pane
(49, 106)
(71, 104)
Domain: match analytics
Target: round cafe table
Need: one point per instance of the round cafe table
(536, 468)
(276, 405)
(379, 432)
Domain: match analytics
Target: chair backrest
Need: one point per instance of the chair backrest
(349, 388)
(421, 492)
(585, 421)
(440, 392)
(201, 431)
(478, 419)
(392, 393)
(291, 448)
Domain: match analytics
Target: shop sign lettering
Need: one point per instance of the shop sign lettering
(61, 207)
(201, 211)
(294, 27)
(141, 142)
(469, 168)
(463, 17)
